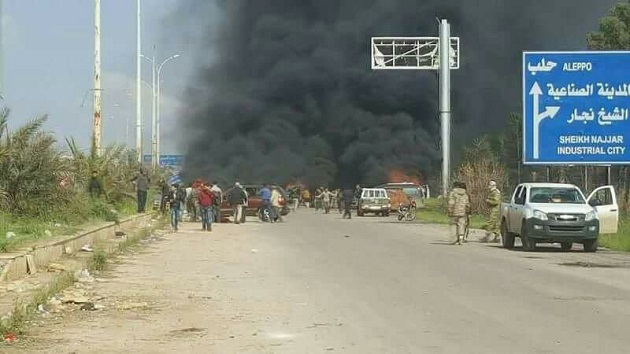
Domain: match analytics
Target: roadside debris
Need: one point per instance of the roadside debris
(87, 248)
(48, 233)
(10, 235)
(10, 338)
(132, 305)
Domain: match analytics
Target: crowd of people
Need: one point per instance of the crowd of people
(325, 199)
(202, 202)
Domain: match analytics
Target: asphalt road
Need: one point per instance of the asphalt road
(318, 283)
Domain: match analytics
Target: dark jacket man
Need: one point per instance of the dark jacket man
(95, 187)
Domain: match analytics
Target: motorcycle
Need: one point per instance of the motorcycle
(407, 212)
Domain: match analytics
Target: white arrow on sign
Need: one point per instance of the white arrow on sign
(549, 112)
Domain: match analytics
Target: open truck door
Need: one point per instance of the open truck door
(604, 200)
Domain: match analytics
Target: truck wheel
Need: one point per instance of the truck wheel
(507, 238)
(529, 245)
(566, 246)
(359, 212)
(590, 246)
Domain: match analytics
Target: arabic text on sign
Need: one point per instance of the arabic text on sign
(604, 117)
(603, 89)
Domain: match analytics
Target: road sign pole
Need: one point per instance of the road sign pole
(445, 103)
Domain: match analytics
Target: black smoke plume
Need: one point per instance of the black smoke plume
(285, 89)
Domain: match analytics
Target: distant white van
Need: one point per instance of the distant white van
(374, 200)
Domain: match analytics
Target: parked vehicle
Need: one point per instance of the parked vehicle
(255, 203)
(402, 193)
(407, 212)
(558, 213)
(374, 200)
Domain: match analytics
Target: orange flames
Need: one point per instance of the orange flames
(398, 176)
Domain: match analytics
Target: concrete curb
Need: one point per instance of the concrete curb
(17, 264)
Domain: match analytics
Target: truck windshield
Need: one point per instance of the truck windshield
(547, 195)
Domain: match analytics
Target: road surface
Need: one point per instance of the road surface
(319, 284)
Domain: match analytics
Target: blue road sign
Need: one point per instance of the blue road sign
(166, 160)
(174, 179)
(576, 107)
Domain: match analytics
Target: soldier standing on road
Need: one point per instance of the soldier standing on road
(458, 208)
(493, 202)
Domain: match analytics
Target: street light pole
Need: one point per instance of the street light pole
(154, 162)
(97, 128)
(139, 86)
(159, 92)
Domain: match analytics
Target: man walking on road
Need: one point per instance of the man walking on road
(206, 200)
(165, 190)
(348, 196)
(177, 198)
(265, 196)
(237, 198)
(275, 205)
(142, 186)
(218, 193)
(458, 209)
(493, 202)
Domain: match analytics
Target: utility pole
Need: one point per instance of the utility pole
(157, 108)
(154, 161)
(97, 129)
(1, 50)
(445, 102)
(139, 86)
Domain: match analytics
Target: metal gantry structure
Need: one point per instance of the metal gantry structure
(425, 53)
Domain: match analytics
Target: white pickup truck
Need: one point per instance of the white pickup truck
(558, 213)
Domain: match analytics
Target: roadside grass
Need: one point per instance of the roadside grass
(619, 241)
(17, 322)
(16, 231)
(433, 211)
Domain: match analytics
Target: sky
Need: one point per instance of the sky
(49, 67)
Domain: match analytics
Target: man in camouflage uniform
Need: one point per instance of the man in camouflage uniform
(493, 202)
(458, 209)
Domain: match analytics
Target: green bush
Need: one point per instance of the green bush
(44, 188)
